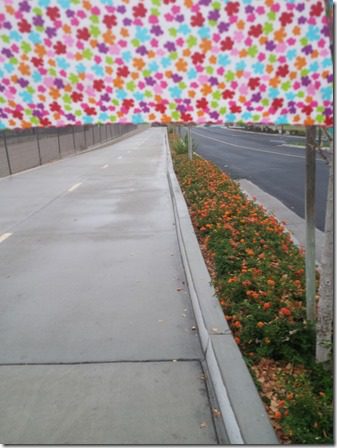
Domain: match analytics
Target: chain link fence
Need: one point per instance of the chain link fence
(28, 148)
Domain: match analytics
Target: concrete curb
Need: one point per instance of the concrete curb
(295, 225)
(243, 413)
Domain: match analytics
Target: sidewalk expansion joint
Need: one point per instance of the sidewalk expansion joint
(122, 361)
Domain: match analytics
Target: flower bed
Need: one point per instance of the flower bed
(258, 274)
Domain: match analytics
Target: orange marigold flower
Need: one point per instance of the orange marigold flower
(237, 324)
(266, 306)
(285, 311)
(271, 282)
(260, 324)
(277, 415)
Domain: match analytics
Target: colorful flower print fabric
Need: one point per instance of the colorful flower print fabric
(65, 62)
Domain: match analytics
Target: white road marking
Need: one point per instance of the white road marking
(105, 166)
(74, 187)
(4, 236)
(280, 142)
(119, 157)
(252, 149)
(263, 134)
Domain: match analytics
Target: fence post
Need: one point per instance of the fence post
(73, 132)
(7, 153)
(85, 137)
(58, 141)
(38, 144)
(93, 134)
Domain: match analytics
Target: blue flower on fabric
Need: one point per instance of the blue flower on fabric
(313, 33)
(121, 94)
(35, 38)
(80, 68)
(192, 73)
(273, 93)
(258, 68)
(184, 29)
(62, 63)
(175, 92)
(137, 118)
(223, 60)
(165, 62)
(98, 69)
(127, 56)
(142, 34)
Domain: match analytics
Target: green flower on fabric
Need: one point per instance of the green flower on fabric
(25, 47)
(191, 41)
(268, 28)
(87, 54)
(95, 31)
(253, 51)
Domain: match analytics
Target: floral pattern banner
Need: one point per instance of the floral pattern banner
(129, 61)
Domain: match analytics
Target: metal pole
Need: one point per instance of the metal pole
(93, 135)
(7, 154)
(310, 265)
(189, 143)
(38, 145)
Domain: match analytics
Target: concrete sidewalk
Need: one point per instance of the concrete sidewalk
(98, 340)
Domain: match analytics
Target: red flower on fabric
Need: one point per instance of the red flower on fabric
(83, 33)
(127, 103)
(53, 12)
(90, 111)
(255, 30)
(286, 18)
(307, 110)
(254, 83)
(99, 85)
(110, 20)
(277, 103)
(235, 109)
(123, 71)
(24, 26)
(55, 107)
(316, 9)
(198, 58)
(227, 94)
(232, 8)
(227, 44)
(160, 108)
(282, 70)
(202, 103)
(45, 122)
(76, 96)
(17, 114)
(37, 62)
(197, 20)
(139, 10)
(186, 117)
(60, 48)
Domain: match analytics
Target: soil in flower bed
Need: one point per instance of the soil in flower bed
(258, 275)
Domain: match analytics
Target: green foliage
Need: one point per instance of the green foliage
(260, 282)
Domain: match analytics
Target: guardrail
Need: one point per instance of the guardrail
(22, 149)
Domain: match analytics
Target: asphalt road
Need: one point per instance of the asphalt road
(268, 160)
